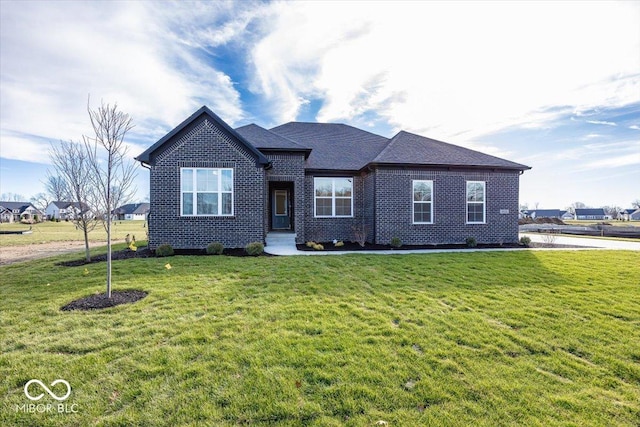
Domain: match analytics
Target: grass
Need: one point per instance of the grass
(51, 231)
(517, 338)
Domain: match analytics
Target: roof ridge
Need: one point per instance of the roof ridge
(273, 133)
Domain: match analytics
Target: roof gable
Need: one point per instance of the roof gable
(409, 148)
(203, 113)
(334, 146)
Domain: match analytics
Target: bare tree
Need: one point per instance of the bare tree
(13, 197)
(56, 187)
(612, 211)
(41, 201)
(71, 162)
(636, 204)
(113, 176)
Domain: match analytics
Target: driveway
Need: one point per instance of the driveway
(585, 241)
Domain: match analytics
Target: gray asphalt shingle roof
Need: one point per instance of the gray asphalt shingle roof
(264, 139)
(334, 146)
(590, 211)
(133, 208)
(409, 148)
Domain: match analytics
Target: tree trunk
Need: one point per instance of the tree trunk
(87, 253)
(108, 256)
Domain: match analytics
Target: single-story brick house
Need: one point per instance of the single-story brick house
(323, 181)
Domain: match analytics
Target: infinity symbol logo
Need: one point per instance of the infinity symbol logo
(38, 397)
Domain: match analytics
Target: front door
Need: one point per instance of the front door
(280, 209)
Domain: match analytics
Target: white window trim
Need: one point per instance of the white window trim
(484, 202)
(219, 191)
(413, 202)
(333, 196)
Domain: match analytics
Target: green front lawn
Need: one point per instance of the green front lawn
(518, 338)
(64, 231)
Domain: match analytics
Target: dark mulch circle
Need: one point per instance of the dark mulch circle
(100, 301)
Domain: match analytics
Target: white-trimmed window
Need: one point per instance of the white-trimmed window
(333, 197)
(422, 202)
(476, 202)
(206, 192)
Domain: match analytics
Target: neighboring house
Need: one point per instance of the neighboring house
(566, 215)
(590, 214)
(545, 213)
(18, 211)
(625, 215)
(322, 182)
(64, 210)
(133, 211)
(635, 215)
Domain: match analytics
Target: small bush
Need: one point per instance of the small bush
(525, 241)
(318, 247)
(310, 243)
(471, 242)
(254, 248)
(215, 248)
(396, 242)
(339, 244)
(164, 250)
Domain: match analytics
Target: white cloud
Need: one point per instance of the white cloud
(56, 53)
(450, 70)
(635, 127)
(601, 122)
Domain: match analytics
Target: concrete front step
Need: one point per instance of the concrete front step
(280, 239)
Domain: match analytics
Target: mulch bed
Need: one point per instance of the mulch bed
(353, 246)
(144, 252)
(99, 301)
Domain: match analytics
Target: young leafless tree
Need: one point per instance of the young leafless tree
(113, 172)
(71, 163)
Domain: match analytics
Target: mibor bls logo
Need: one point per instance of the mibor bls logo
(58, 408)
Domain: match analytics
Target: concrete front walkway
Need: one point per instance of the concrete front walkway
(583, 243)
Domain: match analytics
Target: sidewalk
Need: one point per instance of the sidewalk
(583, 243)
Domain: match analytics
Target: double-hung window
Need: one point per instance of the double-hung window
(422, 202)
(206, 192)
(476, 202)
(333, 197)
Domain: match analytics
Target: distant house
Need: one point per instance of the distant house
(18, 211)
(545, 213)
(635, 215)
(590, 214)
(132, 211)
(625, 214)
(64, 210)
(566, 215)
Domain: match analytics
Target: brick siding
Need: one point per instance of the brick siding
(206, 146)
(394, 198)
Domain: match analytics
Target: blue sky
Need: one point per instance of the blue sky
(554, 85)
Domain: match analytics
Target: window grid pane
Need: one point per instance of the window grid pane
(206, 191)
(333, 197)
